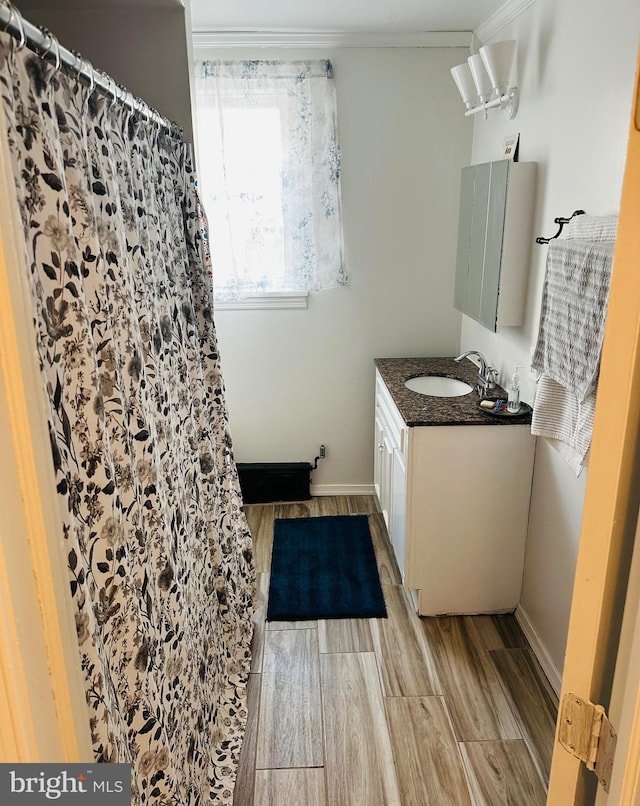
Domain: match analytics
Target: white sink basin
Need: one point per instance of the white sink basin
(437, 386)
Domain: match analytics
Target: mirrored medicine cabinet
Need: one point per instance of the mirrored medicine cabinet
(494, 241)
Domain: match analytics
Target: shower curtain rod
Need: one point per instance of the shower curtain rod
(46, 45)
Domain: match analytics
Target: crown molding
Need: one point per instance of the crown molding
(331, 39)
(503, 16)
(361, 39)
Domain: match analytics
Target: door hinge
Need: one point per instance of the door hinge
(585, 731)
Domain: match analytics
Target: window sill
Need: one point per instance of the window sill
(272, 300)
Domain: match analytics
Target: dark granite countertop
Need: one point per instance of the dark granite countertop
(417, 409)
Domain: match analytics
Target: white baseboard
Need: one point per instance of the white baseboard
(553, 674)
(342, 489)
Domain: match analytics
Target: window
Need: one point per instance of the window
(269, 165)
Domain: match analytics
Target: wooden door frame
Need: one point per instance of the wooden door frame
(625, 699)
(613, 489)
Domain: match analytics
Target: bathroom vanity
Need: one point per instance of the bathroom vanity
(453, 482)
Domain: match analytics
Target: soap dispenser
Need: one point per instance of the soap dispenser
(513, 401)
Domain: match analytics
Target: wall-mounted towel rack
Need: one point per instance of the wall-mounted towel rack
(561, 222)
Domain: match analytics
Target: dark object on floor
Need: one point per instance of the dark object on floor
(323, 568)
(264, 482)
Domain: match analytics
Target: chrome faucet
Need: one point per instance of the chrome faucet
(487, 376)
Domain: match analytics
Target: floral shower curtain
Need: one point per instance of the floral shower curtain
(159, 553)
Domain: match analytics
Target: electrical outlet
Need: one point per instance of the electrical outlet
(323, 451)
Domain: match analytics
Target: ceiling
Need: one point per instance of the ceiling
(308, 16)
(352, 16)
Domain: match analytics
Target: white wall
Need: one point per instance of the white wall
(577, 64)
(143, 45)
(296, 379)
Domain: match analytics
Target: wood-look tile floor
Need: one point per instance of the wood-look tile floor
(408, 711)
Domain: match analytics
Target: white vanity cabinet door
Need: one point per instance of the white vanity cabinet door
(398, 529)
(390, 450)
(382, 459)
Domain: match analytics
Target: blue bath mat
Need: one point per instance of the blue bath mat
(323, 568)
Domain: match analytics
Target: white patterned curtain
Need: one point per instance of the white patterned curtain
(270, 173)
(159, 553)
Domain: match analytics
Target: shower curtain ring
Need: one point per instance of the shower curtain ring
(113, 87)
(52, 45)
(88, 68)
(19, 22)
(108, 82)
(77, 64)
(56, 45)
